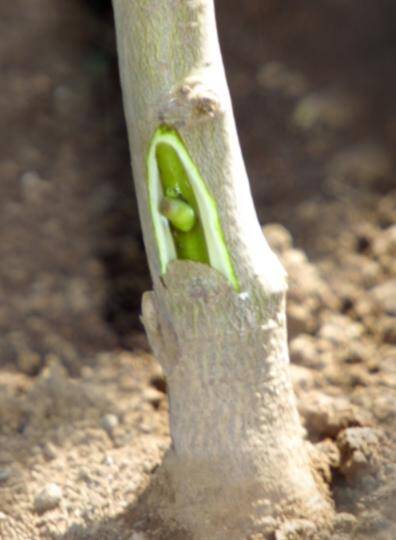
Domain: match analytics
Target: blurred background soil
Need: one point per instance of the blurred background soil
(83, 410)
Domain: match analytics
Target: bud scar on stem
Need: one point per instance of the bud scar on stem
(184, 213)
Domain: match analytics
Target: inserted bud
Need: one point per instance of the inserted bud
(179, 213)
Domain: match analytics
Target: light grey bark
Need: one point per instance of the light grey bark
(238, 454)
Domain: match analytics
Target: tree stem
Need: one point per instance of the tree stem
(238, 454)
(172, 72)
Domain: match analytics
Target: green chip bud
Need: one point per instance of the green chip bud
(192, 230)
(179, 213)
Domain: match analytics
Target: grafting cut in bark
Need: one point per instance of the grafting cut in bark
(216, 316)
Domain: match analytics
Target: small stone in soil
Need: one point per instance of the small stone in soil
(108, 460)
(48, 498)
(109, 422)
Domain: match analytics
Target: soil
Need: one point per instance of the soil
(83, 407)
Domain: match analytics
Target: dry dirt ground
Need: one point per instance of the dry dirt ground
(83, 408)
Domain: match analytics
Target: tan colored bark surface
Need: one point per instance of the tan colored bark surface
(238, 456)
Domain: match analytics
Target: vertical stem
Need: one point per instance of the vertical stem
(238, 453)
(172, 72)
